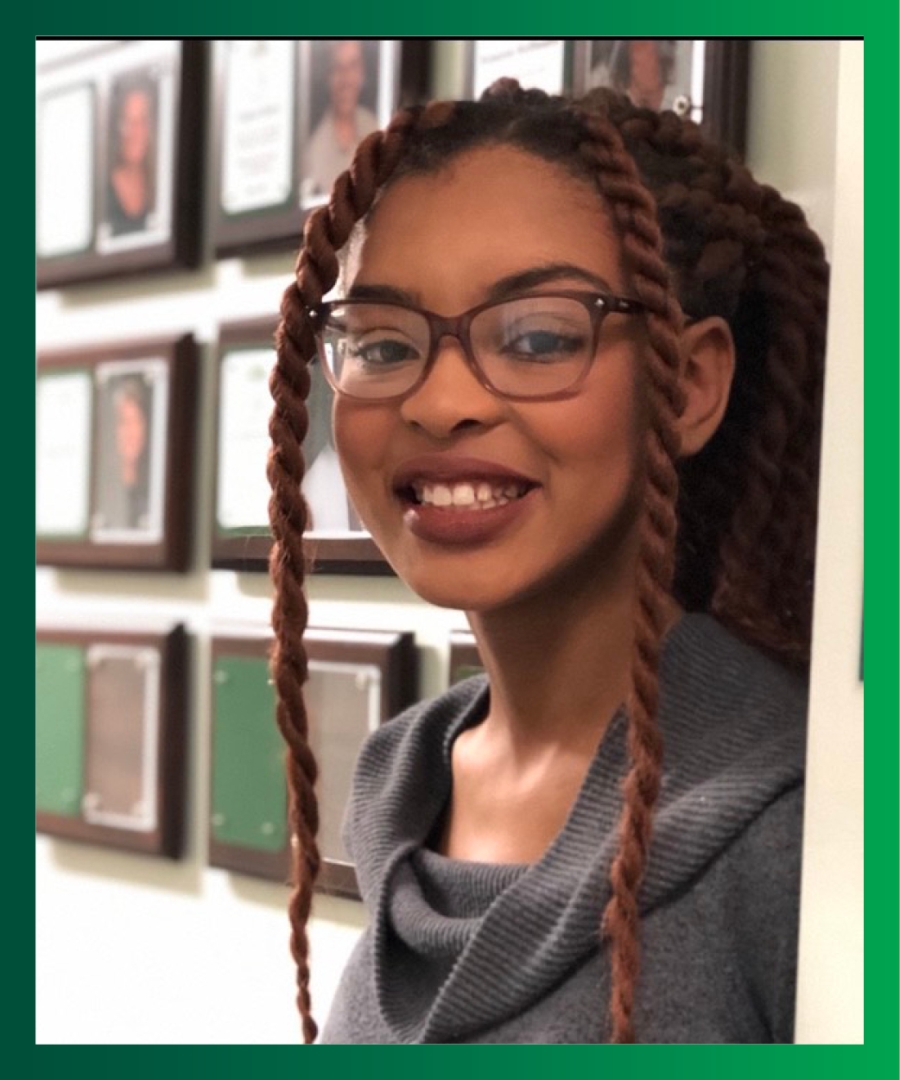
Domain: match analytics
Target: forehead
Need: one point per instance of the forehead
(489, 213)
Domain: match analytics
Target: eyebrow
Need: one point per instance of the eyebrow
(511, 285)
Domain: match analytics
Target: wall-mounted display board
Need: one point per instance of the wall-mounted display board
(119, 130)
(288, 117)
(465, 660)
(704, 79)
(114, 455)
(110, 738)
(357, 681)
(337, 542)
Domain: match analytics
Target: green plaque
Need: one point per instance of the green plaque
(465, 671)
(59, 728)
(249, 788)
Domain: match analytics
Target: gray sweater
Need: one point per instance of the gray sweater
(477, 953)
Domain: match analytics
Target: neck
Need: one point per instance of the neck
(345, 126)
(559, 662)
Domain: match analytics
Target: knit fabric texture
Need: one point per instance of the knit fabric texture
(460, 951)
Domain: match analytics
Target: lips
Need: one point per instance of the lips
(448, 470)
(461, 500)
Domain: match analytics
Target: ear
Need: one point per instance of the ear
(708, 368)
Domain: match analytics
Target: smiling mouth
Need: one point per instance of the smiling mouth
(465, 494)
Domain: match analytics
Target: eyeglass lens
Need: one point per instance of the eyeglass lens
(527, 347)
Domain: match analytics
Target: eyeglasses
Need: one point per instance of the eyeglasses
(531, 348)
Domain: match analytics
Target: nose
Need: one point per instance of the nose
(451, 399)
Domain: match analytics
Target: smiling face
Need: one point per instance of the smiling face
(544, 495)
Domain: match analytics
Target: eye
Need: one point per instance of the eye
(534, 330)
(373, 351)
(544, 344)
(542, 338)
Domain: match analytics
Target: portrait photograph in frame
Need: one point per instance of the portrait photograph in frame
(276, 139)
(114, 455)
(110, 738)
(136, 204)
(349, 92)
(357, 681)
(336, 540)
(129, 478)
(119, 125)
(704, 79)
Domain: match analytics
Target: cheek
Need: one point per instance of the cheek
(600, 434)
(362, 435)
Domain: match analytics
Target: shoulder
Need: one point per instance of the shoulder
(710, 657)
(366, 121)
(734, 747)
(727, 696)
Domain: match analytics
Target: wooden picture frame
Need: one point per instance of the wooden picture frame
(704, 78)
(465, 659)
(269, 97)
(241, 537)
(115, 427)
(110, 738)
(361, 678)
(128, 199)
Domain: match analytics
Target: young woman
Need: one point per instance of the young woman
(577, 353)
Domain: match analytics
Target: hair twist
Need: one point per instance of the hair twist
(633, 210)
(327, 230)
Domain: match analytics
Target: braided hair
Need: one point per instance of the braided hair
(730, 530)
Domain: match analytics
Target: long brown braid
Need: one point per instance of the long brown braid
(634, 212)
(744, 506)
(327, 230)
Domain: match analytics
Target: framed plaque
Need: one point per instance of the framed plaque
(541, 63)
(357, 681)
(465, 660)
(113, 455)
(705, 79)
(289, 115)
(337, 542)
(119, 153)
(109, 731)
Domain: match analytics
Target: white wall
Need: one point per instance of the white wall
(135, 950)
(830, 996)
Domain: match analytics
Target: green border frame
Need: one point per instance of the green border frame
(702, 18)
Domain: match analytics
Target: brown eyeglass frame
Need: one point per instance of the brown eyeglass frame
(597, 304)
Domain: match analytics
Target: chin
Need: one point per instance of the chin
(454, 587)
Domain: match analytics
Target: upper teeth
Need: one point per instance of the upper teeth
(478, 494)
